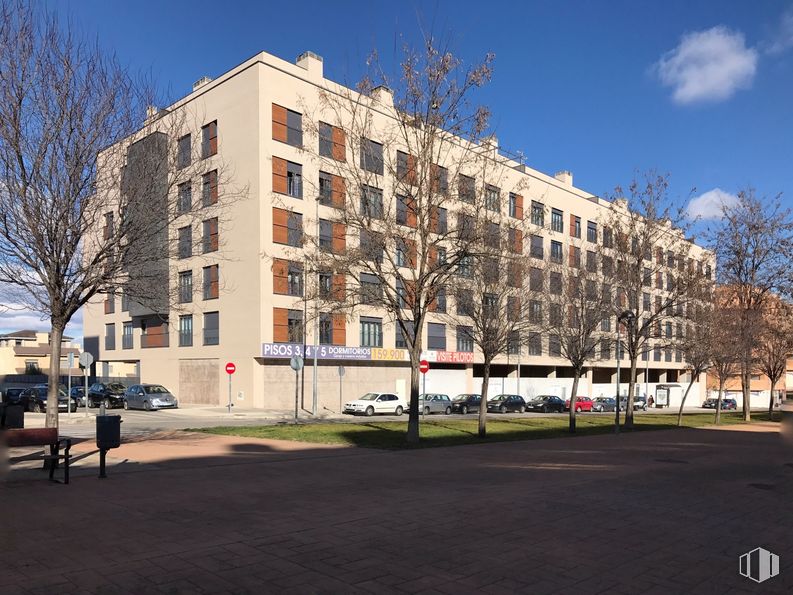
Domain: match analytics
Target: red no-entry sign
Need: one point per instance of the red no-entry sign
(230, 368)
(424, 366)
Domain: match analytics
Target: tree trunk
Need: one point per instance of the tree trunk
(746, 378)
(719, 400)
(683, 401)
(413, 403)
(56, 335)
(771, 399)
(483, 402)
(573, 395)
(629, 403)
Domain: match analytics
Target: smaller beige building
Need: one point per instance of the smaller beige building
(28, 352)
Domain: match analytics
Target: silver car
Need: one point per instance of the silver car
(435, 403)
(149, 397)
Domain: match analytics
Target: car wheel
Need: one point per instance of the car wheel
(106, 403)
(426, 411)
(36, 408)
(448, 410)
(578, 409)
(502, 409)
(147, 405)
(521, 409)
(126, 405)
(464, 409)
(369, 411)
(399, 410)
(545, 408)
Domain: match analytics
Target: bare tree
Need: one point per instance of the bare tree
(754, 245)
(725, 354)
(577, 306)
(653, 268)
(410, 177)
(88, 188)
(775, 345)
(696, 346)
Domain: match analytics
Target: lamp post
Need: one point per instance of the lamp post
(628, 316)
(316, 322)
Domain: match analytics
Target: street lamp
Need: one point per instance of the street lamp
(628, 316)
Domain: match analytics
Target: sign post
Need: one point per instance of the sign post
(86, 359)
(296, 363)
(69, 386)
(230, 369)
(424, 367)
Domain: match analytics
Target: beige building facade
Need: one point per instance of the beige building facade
(28, 352)
(238, 296)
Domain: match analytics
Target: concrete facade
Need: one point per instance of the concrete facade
(243, 103)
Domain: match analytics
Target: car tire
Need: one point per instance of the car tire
(464, 410)
(36, 408)
(369, 411)
(126, 405)
(521, 409)
(399, 410)
(426, 411)
(578, 409)
(106, 403)
(448, 411)
(502, 409)
(146, 406)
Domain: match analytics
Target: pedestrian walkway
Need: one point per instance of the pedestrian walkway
(649, 512)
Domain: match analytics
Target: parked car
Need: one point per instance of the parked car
(581, 404)
(111, 394)
(604, 404)
(545, 404)
(507, 403)
(12, 396)
(372, 403)
(435, 403)
(35, 399)
(78, 394)
(639, 403)
(726, 404)
(466, 402)
(149, 397)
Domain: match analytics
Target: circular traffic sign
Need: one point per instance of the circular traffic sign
(296, 363)
(230, 368)
(86, 359)
(424, 366)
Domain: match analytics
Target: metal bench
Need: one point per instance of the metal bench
(40, 437)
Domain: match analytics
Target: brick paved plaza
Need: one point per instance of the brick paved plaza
(653, 512)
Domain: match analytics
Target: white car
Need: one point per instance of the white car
(372, 403)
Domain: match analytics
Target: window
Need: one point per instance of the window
(556, 283)
(371, 156)
(404, 253)
(440, 179)
(209, 188)
(490, 270)
(287, 126)
(513, 343)
(515, 240)
(554, 346)
(371, 290)
(576, 226)
(405, 168)
(466, 188)
(591, 261)
(647, 277)
(465, 266)
(537, 213)
(372, 202)
(294, 279)
(126, 336)
(110, 303)
(110, 336)
(325, 139)
(535, 311)
(490, 305)
(608, 266)
(436, 336)
(184, 200)
(325, 189)
(125, 301)
(400, 341)
(515, 205)
(294, 326)
(556, 251)
(646, 305)
(294, 179)
(657, 354)
(605, 324)
(668, 330)
(325, 329)
(294, 229)
(465, 226)
(608, 237)
(440, 300)
(185, 287)
(186, 331)
(211, 282)
(592, 232)
(557, 221)
(443, 221)
(210, 235)
(535, 279)
(325, 235)
(209, 139)
(492, 198)
(555, 314)
(535, 344)
(183, 152)
(605, 349)
(536, 249)
(185, 243)
(465, 339)
(371, 332)
(465, 302)
(493, 235)
(212, 328)
(575, 256)
(372, 245)
(325, 282)
(405, 211)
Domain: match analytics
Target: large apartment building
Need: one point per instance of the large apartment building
(239, 281)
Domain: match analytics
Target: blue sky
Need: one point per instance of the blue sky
(701, 90)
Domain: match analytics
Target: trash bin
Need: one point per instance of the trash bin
(108, 431)
(12, 416)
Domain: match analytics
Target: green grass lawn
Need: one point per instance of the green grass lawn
(391, 434)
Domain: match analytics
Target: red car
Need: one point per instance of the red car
(581, 404)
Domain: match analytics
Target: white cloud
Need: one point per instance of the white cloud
(784, 37)
(15, 317)
(708, 66)
(710, 205)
